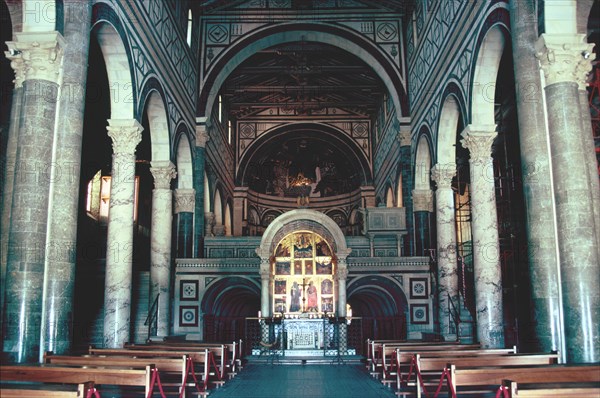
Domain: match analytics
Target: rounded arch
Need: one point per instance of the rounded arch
(423, 160)
(311, 130)
(338, 36)
(207, 196)
(183, 156)
(231, 295)
(491, 43)
(227, 220)
(389, 196)
(311, 220)
(452, 111)
(109, 32)
(375, 295)
(218, 206)
(152, 102)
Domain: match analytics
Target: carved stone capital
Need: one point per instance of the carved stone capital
(341, 274)
(442, 174)
(41, 54)
(163, 172)
(422, 200)
(18, 65)
(185, 200)
(126, 134)
(478, 140)
(403, 136)
(202, 135)
(565, 58)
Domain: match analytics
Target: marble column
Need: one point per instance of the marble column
(341, 275)
(160, 243)
(199, 163)
(589, 148)
(265, 282)
(59, 275)
(126, 135)
(42, 55)
(563, 61)
(447, 266)
(537, 181)
(404, 137)
(484, 224)
(9, 169)
(184, 209)
(422, 208)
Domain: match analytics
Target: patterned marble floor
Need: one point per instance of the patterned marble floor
(310, 381)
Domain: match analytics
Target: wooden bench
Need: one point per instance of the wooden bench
(201, 359)
(543, 391)
(490, 378)
(225, 354)
(167, 367)
(46, 391)
(132, 377)
(394, 357)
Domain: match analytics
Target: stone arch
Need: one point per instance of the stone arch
(452, 111)
(338, 36)
(305, 219)
(382, 294)
(423, 160)
(218, 206)
(207, 196)
(227, 222)
(316, 130)
(485, 73)
(183, 156)
(109, 32)
(389, 196)
(152, 102)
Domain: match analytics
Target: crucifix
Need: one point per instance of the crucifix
(304, 285)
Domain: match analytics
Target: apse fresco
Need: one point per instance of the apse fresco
(303, 270)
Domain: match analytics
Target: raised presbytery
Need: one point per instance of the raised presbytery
(300, 174)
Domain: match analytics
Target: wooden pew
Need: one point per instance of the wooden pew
(394, 358)
(140, 377)
(166, 367)
(561, 390)
(46, 391)
(202, 359)
(377, 351)
(491, 378)
(225, 353)
(431, 369)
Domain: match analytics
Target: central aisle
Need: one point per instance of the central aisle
(310, 381)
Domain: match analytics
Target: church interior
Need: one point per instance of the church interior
(315, 174)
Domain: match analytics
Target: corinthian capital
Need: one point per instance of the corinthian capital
(565, 58)
(18, 65)
(478, 140)
(185, 200)
(163, 172)
(41, 54)
(422, 200)
(126, 134)
(442, 174)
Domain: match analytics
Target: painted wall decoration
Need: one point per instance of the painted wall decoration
(303, 276)
(188, 315)
(418, 288)
(419, 314)
(188, 290)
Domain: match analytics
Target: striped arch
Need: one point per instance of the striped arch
(109, 32)
(183, 157)
(343, 38)
(453, 111)
(152, 101)
(423, 160)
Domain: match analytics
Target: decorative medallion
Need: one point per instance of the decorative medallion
(217, 34)
(387, 31)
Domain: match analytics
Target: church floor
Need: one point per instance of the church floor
(310, 381)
